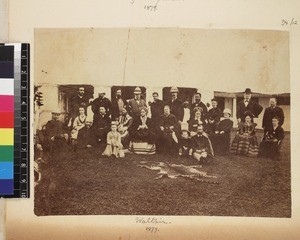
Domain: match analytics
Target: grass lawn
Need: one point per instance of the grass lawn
(87, 183)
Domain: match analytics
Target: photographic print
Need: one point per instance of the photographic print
(169, 121)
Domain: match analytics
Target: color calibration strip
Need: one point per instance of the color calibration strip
(6, 120)
(20, 119)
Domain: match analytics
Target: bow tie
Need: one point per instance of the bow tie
(246, 100)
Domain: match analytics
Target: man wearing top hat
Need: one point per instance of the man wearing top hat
(247, 104)
(176, 105)
(136, 104)
(101, 101)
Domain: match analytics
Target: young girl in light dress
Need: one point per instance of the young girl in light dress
(114, 145)
(79, 123)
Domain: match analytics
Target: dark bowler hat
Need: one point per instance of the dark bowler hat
(248, 91)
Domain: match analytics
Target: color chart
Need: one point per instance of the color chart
(14, 120)
(6, 120)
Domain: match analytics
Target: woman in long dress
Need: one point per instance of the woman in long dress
(271, 142)
(221, 136)
(142, 134)
(245, 141)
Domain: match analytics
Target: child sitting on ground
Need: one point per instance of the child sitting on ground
(184, 143)
(114, 145)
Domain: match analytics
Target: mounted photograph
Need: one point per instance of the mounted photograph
(162, 121)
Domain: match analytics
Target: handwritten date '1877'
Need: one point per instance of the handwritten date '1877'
(151, 5)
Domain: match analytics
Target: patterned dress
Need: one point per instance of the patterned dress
(245, 141)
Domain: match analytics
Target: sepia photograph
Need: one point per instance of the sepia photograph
(162, 121)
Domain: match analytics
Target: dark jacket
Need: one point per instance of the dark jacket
(204, 108)
(157, 109)
(269, 114)
(168, 121)
(176, 108)
(134, 107)
(104, 102)
(215, 114)
(77, 102)
(252, 106)
(115, 111)
(200, 142)
(278, 133)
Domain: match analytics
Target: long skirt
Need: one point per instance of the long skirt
(220, 143)
(245, 145)
(269, 149)
(143, 148)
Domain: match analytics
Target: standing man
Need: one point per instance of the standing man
(176, 105)
(270, 113)
(118, 104)
(80, 100)
(136, 104)
(247, 104)
(157, 108)
(199, 103)
(101, 101)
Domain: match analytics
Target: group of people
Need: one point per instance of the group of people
(175, 127)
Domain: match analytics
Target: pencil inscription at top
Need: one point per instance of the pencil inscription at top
(152, 5)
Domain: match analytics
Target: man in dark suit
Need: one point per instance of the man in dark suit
(118, 103)
(198, 103)
(247, 104)
(271, 112)
(157, 108)
(80, 100)
(101, 101)
(176, 105)
(136, 104)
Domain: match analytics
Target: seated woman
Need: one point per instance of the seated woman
(270, 145)
(114, 145)
(79, 123)
(245, 141)
(125, 122)
(167, 131)
(221, 136)
(142, 134)
(196, 121)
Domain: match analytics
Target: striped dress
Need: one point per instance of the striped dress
(245, 141)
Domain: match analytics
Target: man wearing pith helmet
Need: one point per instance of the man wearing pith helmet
(176, 105)
(137, 103)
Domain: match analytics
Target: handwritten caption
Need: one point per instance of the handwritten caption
(152, 5)
(152, 224)
(289, 22)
